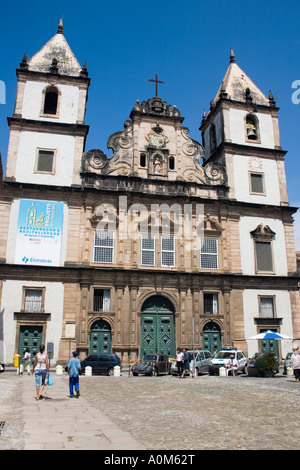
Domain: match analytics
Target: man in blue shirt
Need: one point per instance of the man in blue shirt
(74, 367)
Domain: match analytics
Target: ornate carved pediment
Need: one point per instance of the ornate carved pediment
(155, 106)
(212, 226)
(263, 233)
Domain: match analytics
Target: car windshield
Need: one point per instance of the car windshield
(149, 357)
(224, 354)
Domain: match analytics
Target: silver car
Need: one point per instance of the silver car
(201, 365)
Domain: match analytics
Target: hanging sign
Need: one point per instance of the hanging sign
(39, 232)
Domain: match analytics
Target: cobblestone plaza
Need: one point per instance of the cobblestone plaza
(161, 413)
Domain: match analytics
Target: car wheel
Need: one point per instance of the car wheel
(196, 372)
(110, 372)
(134, 374)
(155, 372)
(211, 372)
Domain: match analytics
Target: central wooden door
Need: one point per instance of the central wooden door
(157, 327)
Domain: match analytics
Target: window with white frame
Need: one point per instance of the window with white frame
(209, 253)
(101, 301)
(104, 246)
(167, 251)
(148, 250)
(33, 300)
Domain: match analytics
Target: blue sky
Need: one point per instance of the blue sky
(187, 42)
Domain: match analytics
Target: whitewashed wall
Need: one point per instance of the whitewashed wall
(12, 302)
(237, 129)
(247, 225)
(32, 104)
(242, 166)
(27, 155)
(251, 311)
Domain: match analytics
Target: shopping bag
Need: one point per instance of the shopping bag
(49, 380)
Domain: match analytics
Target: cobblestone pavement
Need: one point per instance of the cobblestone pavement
(168, 413)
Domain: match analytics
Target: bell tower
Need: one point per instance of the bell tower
(241, 130)
(47, 128)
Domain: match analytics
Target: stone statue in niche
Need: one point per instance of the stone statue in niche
(157, 166)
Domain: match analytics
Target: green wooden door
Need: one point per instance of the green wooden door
(100, 338)
(211, 336)
(30, 337)
(157, 327)
(269, 345)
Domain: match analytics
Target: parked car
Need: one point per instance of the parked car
(256, 366)
(202, 360)
(101, 363)
(152, 364)
(286, 362)
(222, 360)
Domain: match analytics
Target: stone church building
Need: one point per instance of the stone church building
(169, 242)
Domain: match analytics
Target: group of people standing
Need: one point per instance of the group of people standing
(183, 362)
(41, 371)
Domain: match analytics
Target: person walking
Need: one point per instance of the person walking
(295, 363)
(40, 369)
(179, 361)
(74, 367)
(26, 362)
(186, 363)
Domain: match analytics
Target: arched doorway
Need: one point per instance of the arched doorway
(211, 336)
(100, 338)
(157, 326)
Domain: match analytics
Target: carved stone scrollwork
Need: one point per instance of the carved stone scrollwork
(191, 148)
(94, 160)
(215, 173)
(122, 139)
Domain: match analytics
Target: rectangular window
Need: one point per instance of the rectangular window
(209, 253)
(211, 304)
(33, 302)
(257, 183)
(101, 300)
(267, 307)
(45, 161)
(263, 252)
(104, 246)
(148, 250)
(167, 251)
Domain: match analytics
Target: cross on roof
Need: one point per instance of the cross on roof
(156, 81)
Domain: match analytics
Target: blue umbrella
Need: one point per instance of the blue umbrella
(270, 335)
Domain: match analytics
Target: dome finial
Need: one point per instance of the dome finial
(60, 29)
(232, 56)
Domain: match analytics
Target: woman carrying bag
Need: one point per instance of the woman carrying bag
(40, 369)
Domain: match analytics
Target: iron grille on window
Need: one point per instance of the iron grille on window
(104, 246)
(209, 253)
(33, 301)
(211, 303)
(148, 250)
(257, 183)
(101, 300)
(167, 251)
(45, 160)
(264, 261)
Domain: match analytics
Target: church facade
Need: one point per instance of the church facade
(167, 243)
